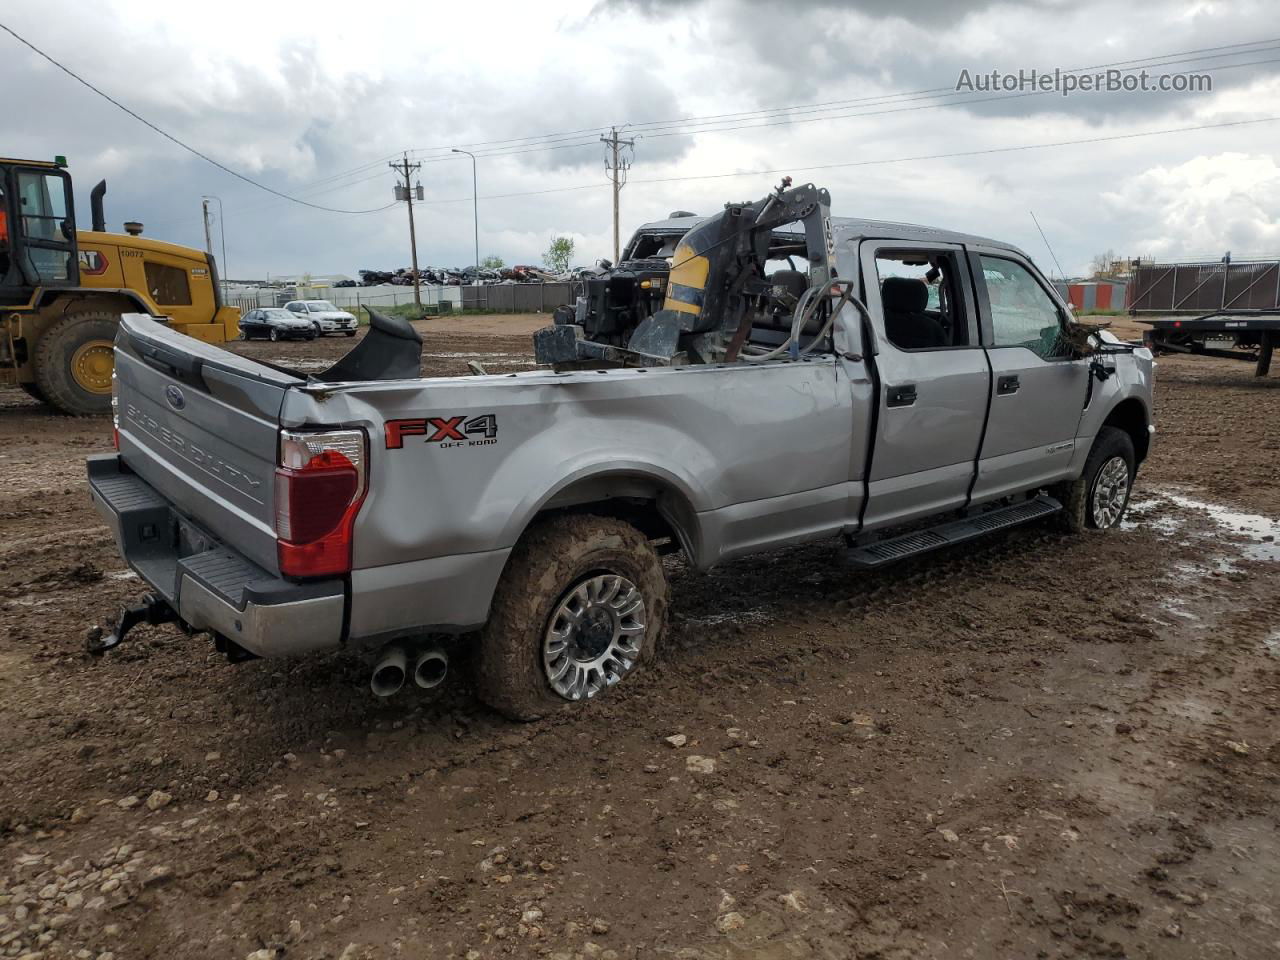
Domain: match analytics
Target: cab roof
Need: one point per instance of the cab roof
(854, 228)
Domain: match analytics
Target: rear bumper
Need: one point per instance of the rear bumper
(211, 586)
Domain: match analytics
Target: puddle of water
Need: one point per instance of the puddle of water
(1272, 644)
(1262, 532)
(1137, 514)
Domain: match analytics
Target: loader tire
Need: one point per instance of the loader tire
(34, 392)
(582, 596)
(74, 360)
(1098, 498)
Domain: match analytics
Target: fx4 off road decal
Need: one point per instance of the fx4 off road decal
(445, 431)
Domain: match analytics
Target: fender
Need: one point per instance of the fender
(676, 498)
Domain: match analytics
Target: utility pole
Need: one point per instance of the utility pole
(475, 205)
(208, 238)
(406, 192)
(616, 166)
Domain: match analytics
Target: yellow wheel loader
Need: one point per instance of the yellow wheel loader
(62, 291)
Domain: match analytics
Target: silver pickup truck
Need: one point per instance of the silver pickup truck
(901, 387)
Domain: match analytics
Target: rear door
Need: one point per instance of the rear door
(202, 426)
(1038, 390)
(934, 381)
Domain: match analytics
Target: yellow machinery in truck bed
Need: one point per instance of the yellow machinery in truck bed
(62, 291)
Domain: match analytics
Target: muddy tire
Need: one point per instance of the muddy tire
(580, 607)
(1099, 498)
(73, 362)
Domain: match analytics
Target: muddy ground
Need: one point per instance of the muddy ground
(1043, 746)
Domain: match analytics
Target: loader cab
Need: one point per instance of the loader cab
(37, 230)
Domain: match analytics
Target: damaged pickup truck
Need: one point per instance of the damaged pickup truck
(801, 377)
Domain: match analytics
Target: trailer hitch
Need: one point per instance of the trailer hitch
(151, 610)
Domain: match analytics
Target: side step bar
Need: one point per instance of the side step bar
(948, 534)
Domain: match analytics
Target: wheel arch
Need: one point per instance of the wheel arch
(653, 503)
(88, 298)
(1131, 416)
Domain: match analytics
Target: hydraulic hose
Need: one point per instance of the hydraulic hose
(808, 303)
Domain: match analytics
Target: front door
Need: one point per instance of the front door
(934, 380)
(38, 238)
(1038, 387)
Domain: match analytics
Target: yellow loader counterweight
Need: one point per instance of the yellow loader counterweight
(62, 291)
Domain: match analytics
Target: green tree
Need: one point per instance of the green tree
(493, 262)
(559, 254)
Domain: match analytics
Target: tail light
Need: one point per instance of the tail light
(320, 485)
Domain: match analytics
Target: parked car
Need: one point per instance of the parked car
(366, 506)
(324, 316)
(276, 323)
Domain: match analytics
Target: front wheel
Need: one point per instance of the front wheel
(581, 605)
(74, 360)
(1097, 500)
(351, 333)
(274, 335)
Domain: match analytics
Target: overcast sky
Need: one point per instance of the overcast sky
(312, 103)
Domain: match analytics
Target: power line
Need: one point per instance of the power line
(565, 135)
(861, 113)
(878, 162)
(964, 153)
(168, 136)
(927, 106)
(951, 91)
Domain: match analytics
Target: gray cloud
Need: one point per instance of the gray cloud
(291, 114)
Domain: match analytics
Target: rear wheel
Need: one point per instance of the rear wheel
(581, 605)
(74, 360)
(1099, 498)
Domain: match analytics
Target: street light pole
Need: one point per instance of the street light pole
(475, 205)
(222, 231)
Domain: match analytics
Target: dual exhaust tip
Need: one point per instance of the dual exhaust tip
(396, 664)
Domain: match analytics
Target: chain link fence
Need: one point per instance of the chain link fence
(492, 297)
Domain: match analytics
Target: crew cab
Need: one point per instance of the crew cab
(937, 389)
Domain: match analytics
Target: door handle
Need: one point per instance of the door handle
(1007, 385)
(903, 396)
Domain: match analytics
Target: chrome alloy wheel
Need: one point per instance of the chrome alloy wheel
(1110, 493)
(593, 638)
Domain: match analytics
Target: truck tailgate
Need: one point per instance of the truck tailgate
(201, 426)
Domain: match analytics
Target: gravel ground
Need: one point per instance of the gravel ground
(1042, 746)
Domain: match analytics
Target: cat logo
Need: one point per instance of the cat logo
(93, 263)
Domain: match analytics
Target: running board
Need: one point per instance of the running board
(948, 534)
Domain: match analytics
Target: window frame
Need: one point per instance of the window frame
(150, 263)
(869, 251)
(987, 318)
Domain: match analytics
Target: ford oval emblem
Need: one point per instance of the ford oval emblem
(175, 397)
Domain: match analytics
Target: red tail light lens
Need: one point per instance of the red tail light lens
(320, 486)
